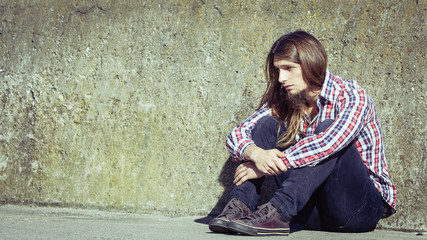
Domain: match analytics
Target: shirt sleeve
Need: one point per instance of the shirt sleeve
(353, 113)
(240, 138)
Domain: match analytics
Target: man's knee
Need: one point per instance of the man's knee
(323, 126)
(266, 132)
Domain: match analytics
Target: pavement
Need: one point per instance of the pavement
(31, 222)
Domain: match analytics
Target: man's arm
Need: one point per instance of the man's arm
(240, 138)
(241, 146)
(353, 114)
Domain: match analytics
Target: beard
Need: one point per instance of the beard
(295, 101)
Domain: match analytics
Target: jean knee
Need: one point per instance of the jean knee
(266, 132)
(266, 123)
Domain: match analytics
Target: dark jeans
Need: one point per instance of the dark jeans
(335, 195)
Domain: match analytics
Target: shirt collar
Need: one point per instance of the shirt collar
(327, 87)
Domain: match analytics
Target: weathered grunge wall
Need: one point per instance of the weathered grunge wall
(126, 104)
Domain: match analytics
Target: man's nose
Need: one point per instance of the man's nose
(282, 76)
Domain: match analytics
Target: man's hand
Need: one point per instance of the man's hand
(246, 171)
(266, 161)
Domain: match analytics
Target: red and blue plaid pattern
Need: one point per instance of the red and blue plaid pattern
(355, 120)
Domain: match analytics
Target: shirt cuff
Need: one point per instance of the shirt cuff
(245, 144)
(286, 160)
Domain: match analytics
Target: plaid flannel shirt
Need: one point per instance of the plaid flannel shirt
(355, 121)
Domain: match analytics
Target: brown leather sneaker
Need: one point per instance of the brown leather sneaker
(234, 210)
(265, 221)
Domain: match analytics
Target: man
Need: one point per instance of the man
(319, 136)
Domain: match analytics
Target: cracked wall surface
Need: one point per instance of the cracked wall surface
(126, 104)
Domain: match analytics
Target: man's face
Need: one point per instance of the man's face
(290, 76)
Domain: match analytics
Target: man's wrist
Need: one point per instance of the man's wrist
(249, 152)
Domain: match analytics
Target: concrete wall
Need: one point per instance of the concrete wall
(126, 104)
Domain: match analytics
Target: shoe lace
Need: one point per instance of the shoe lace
(232, 209)
(261, 215)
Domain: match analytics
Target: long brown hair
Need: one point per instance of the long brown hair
(302, 48)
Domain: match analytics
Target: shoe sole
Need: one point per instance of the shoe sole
(254, 231)
(219, 226)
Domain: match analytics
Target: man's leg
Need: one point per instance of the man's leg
(264, 135)
(335, 195)
(349, 200)
(297, 188)
(310, 186)
(243, 199)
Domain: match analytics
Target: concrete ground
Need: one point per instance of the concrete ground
(26, 222)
